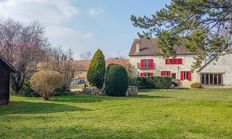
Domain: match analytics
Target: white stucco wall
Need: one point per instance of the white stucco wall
(222, 65)
(161, 66)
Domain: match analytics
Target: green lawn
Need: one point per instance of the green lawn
(177, 114)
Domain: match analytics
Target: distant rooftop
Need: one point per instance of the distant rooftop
(83, 65)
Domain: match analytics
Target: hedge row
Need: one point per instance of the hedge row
(151, 82)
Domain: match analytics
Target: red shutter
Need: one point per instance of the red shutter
(162, 73)
(151, 63)
(182, 75)
(180, 61)
(166, 61)
(142, 74)
(175, 61)
(151, 74)
(189, 76)
(142, 63)
(169, 73)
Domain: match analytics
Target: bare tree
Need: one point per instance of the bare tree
(24, 47)
(62, 62)
(86, 55)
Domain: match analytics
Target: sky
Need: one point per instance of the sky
(84, 25)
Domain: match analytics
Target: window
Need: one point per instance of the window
(147, 63)
(185, 75)
(173, 75)
(146, 74)
(211, 79)
(173, 61)
(166, 73)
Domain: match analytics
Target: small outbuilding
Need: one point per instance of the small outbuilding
(5, 70)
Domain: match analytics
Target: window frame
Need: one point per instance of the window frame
(208, 79)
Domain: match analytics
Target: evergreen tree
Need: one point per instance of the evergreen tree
(199, 25)
(116, 82)
(96, 72)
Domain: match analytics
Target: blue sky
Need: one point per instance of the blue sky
(84, 25)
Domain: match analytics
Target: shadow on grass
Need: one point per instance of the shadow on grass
(78, 99)
(22, 107)
(160, 90)
(147, 96)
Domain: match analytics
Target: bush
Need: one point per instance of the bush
(132, 82)
(27, 91)
(96, 72)
(154, 82)
(196, 85)
(116, 82)
(45, 82)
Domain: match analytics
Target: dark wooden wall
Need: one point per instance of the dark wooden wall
(4, 84)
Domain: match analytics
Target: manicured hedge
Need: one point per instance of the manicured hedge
(151, 82)
(116, 82)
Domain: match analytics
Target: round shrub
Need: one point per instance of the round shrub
(116, 82)
(196, 85)
(45, 82)
(96, 72)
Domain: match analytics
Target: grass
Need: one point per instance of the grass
(180, 113)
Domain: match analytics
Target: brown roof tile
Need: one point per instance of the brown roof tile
(149, 47)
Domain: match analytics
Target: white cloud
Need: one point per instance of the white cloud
(46, 11)
(57, 17)
(95, 11)
(61, 32)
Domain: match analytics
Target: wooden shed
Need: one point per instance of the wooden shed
(5, 70)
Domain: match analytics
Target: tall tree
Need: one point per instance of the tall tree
(86, 55)
(62, 62)
(200, 25)
(23, 46)
(96, 72)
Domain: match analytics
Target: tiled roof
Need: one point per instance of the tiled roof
(83, 65)
(149, 47)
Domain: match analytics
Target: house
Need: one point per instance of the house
(5, 70)
(82, 66)
(145, 56)
(217, 72)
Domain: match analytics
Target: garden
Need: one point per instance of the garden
(165, 113)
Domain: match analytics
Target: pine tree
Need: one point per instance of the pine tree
(199, 25)
(96, 72)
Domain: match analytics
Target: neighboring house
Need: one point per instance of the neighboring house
(217, 72)
(145, 56)
(82, 66)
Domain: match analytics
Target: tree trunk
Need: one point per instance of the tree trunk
(45, 97)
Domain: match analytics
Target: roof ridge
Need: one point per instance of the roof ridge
(7, 64)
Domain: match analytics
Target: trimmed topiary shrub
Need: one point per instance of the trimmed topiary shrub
(196, 85)
(96, 72)
(116, 82)
(154, 82)
(45, 83)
